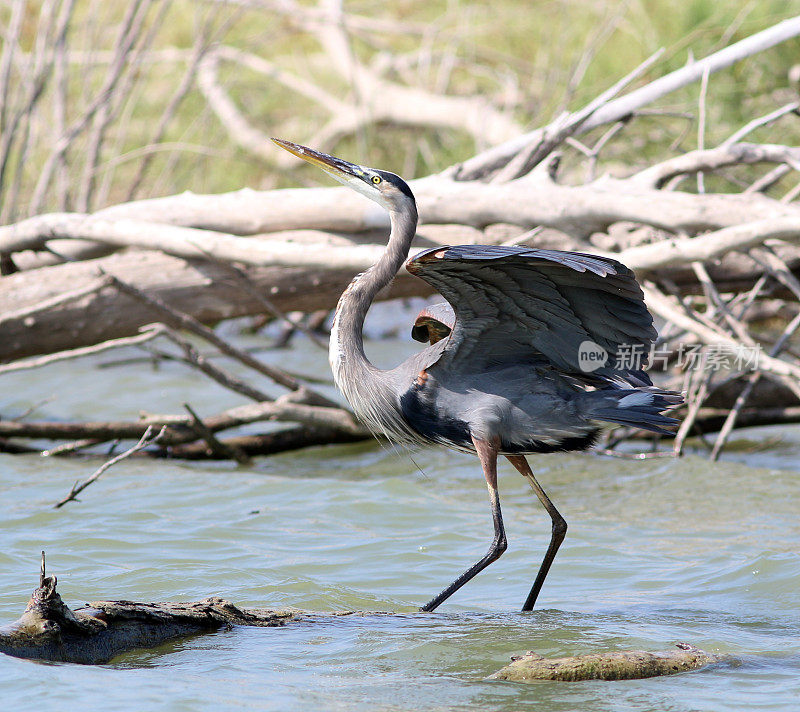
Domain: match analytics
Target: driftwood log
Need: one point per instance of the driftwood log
(308, 270)
(621, 665)
(99, 631)
(95, 633)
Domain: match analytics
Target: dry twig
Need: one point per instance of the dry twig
(146, 440)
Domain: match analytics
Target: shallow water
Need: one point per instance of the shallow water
(658, 552)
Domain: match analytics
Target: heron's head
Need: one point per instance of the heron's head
(387, 189)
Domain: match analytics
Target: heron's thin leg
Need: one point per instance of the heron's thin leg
(488, 457)
(557, 536)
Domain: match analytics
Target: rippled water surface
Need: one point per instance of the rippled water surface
(658, 552)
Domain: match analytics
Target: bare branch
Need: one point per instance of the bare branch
(725, 155)
(554, 134)
(489, 161)
(201, 47)
(220, 375)
(769, 179)
(706, 247)
(661, 304)
(185, 321)
(112, 102)
(284, 409)
(791, 108)
(752, 380)
(10, 48)
(294, 324)
(149, 334)
(146, 440)
(230, 452)
(63, 143)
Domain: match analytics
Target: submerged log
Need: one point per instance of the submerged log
(95, 633)
(99, 631)
(622, 665)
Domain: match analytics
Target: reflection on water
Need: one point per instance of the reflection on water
(657, 552)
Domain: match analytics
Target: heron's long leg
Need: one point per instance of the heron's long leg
(488, 457)
(557, 536)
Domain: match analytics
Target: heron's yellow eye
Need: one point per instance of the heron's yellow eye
(376, 179)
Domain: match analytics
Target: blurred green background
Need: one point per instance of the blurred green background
(530, 60)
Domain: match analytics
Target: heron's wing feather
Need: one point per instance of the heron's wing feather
(433, 323)
(519, 303)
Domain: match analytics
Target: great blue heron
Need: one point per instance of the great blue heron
(503, 375)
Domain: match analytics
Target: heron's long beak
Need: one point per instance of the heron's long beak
(348, 173)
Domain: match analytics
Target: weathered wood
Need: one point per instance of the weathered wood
(178, 428)
(50, 630)
(282, 440)
(533, 200)
(200, 288)
(99, 631)
(622, 665)
(206, 291)
(625, 106)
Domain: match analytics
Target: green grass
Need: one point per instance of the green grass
(533, 46)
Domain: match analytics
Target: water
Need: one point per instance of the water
(658, 552)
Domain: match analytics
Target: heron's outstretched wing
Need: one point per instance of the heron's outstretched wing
(516, 303)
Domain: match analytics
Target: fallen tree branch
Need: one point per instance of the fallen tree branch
(712, 420)
(711, 159)
(750, 384)
(201, 289)
(682, 251)
(181, 320)
(93, 634)
(149, 333)
(283, 440)
(290, 323)
(319, 424)
(55, 301)
(145, 441)
(225, 451)
(491, 160)
(565, 126)
(661, 304)
(220, 375)
(70, 448)
(380, 101)
(765, 120)
(197, 226)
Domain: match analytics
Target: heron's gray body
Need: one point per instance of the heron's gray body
(504, 373)
(521, 408)
(509, 370)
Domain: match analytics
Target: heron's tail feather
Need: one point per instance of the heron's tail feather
(636, 408)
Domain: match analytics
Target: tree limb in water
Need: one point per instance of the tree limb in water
(618, 665)
(97, 632)
(145, 441)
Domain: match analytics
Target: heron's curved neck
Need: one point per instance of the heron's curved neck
(347, 357)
